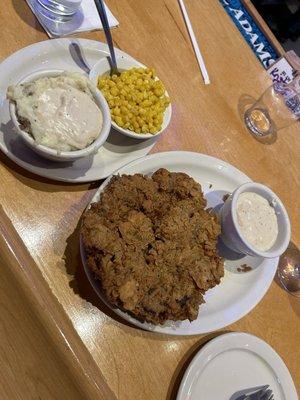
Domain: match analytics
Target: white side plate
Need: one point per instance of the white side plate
(232, 363)
(238, 292)
(72, 55)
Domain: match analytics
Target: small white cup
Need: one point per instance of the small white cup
(231, 233)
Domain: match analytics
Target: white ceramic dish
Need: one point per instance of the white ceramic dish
(238, 292)
(232, 363)
(231, 234)
(53, 154)
(72, 55)
(102, 67)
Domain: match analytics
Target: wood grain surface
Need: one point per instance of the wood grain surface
(39, 218)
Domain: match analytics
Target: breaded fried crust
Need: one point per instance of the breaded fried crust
(152, 245)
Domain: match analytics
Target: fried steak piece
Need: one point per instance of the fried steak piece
(152, 245)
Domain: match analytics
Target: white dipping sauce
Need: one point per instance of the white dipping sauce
(257, 220)
(61, 111)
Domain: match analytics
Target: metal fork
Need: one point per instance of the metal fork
(264, 393)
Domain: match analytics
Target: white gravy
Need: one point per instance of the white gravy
(61, 111)
(257, 220)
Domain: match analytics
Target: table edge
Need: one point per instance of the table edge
(76, 356)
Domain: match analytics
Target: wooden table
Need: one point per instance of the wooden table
(57, 341)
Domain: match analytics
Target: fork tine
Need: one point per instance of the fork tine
(262, 394)
(266, 395)
(269, 394)
(263, 390)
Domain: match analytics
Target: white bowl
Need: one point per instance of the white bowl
(231, 234)
(53, 154)
(102, 67)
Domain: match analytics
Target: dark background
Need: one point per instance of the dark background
(283, 17)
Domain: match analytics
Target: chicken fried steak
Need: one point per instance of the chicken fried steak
(152, 245)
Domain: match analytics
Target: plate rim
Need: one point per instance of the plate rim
(38, 46)
(214, 346)
(158, 328)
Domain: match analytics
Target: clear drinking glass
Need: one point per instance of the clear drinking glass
(61, 8)
(277, 108)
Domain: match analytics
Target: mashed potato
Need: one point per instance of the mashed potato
(59, 112)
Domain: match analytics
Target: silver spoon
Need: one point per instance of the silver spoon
(289, 270)
(103, 16)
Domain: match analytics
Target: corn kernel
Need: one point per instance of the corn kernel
(158, 92)
(114, 91)
(116, 111)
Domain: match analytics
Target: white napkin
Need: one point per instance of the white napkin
(86, 19)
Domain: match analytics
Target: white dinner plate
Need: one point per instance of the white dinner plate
(238, 291)
(73, 55)
(232, 363)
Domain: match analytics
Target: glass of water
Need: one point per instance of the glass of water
(277, 108)
(61, 8)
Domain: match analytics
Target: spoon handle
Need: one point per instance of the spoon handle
(103, 16)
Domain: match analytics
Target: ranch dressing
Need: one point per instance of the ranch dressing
(257, 220)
